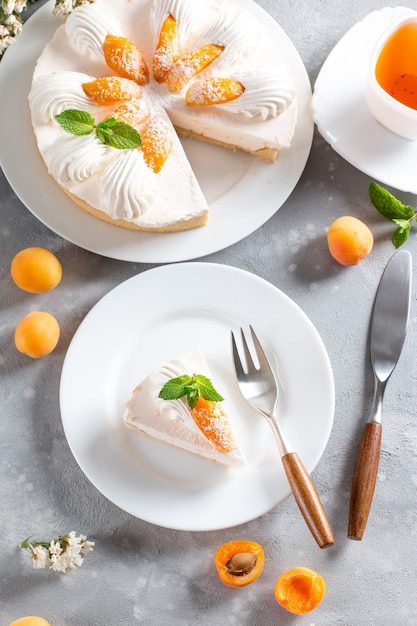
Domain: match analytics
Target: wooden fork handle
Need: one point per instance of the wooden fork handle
(308, 500)
(364, 479)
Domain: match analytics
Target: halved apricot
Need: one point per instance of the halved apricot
(168, 49)
(213, 90)
(111, 89)
(240, 562)
(299, 590)
(191, 64)
(125, 58)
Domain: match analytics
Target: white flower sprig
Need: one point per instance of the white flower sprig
(64, 7)
(66, 552)
(11, 21)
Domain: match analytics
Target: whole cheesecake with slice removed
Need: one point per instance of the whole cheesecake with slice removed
(192, 421)
(206, 70)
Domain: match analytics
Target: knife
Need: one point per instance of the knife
(388, 331)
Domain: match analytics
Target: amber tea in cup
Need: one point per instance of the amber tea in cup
(392, 79)
(396, 66)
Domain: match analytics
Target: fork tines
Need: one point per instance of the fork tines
(250, 366)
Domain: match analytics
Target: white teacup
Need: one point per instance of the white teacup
(391, 90)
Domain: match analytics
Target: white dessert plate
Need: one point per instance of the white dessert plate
(342, 114)
(242, 191)
(165, 312)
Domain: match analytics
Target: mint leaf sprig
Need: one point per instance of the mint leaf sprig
(119, 135)
(393, 209)
(191, 387)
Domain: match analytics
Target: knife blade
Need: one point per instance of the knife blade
(388, 331)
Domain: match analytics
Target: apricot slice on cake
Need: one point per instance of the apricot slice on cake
(168, 49)
(156, 145)
(213, 90)
(239, 563)
(191, 64)
(214, 424)
(125, 58)
(132, 112)
(111, 89)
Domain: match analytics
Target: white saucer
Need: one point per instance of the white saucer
(342, 115)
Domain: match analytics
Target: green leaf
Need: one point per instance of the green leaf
(118, 135)
(191, 387)
(175, 388)
(401, 233)
(389, 206)
(206, 389)
(76, 122)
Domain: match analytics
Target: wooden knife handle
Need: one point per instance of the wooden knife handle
(364, 479)
(308, 499)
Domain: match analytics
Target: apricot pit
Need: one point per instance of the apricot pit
(239, 563)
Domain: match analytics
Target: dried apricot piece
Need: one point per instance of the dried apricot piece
(213, 90)
(168, 49)
(213, 422)
(191, 64)
(299, 590)
(111, 89)
(36, 270)
(132, 112)
(125, 58)
(156, 144)
(37, 334)
(239, 563)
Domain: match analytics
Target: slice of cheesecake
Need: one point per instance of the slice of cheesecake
(191, 422)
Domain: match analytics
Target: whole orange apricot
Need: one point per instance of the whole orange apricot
(36, 270)
(30, 620)
(349, 240)
(299, 590)
(239, 562)
(37, 334)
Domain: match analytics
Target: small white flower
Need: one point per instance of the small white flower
(60, 554)
(40, 557)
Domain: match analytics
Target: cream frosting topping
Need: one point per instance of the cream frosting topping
(75, 159)
(127, 187)
(53, 93)
(267, 93)
(170, 421)
(87, 28)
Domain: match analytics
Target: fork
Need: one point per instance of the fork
(259, 388)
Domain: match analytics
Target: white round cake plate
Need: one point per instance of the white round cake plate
(242, 191)
(122, 339)
(342, 114)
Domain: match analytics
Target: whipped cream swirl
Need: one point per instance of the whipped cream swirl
(87, 27)
(234, 31)
(75, 159)
(189, 16)
(268, 93)
(53, 93)
(127, 187)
